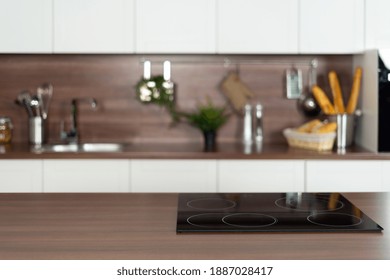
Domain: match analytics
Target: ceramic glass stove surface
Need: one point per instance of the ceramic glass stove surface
(271, 212)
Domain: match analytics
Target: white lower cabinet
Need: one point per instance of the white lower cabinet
(386, 176)
(174, 175)
(345, 175)
(117, 175)
(261, 176)
(20, 176)
(82, 175)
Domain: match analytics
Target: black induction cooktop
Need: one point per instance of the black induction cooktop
(270, 212)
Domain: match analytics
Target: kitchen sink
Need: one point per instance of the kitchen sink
(81, 148)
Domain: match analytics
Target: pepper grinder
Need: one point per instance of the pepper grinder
(259, 123)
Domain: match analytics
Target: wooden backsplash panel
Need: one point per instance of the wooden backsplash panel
(111, 79)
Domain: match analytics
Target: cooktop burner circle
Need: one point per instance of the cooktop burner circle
(335, 219)
(208, 220)
(249, 220)
(309, 204)
(211, 203)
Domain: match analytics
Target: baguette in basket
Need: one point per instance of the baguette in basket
(313, 135)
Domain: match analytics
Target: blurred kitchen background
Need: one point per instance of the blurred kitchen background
(111, 80)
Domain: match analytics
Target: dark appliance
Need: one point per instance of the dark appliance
(383, 105)
(373, 126)
(270, 212)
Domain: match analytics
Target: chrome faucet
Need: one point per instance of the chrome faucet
(72, 136)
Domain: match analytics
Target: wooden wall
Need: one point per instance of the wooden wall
(111, 80)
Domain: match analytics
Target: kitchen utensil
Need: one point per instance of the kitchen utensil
(35, 106)
(44, 95)
(353, 98)
(293, 83)
(24, 99)
(336, 92)
(236, 91)
(306, 103)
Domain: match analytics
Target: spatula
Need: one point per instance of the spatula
(44, 95)
(24, 99)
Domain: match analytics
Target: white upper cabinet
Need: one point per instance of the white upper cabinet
(257, 26)
(175, 26)
(194, 26)
(331, 26)
(93, 26)
(377, 24)
(25, 26)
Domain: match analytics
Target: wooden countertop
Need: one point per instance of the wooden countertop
(193, 151)
(142, 226)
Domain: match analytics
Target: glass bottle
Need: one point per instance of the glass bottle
(5, 130)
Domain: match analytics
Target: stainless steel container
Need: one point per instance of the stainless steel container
(36, 130)
(345, 129)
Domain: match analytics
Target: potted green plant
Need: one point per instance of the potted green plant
(208, 118)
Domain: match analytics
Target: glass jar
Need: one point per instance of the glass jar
(5, 130)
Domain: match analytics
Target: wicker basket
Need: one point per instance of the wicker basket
(310, 141)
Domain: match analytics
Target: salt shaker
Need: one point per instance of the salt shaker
(247, 135)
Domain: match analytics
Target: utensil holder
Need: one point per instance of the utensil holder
(345, 129)
(36, 130)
